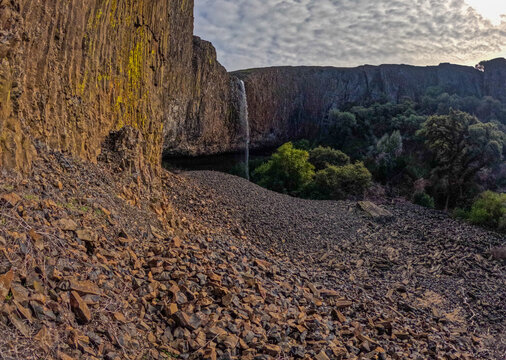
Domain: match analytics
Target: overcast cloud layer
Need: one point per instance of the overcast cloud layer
(258, 33)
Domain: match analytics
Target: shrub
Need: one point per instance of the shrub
(336, 183)
(288, 170)
(460, 213)
(424, 199)
(489, 210)
(302, 144)
(321, 157)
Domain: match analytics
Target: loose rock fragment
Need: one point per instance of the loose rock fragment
(10, 200)
(79, 307)
(66, 224)
(5, 284)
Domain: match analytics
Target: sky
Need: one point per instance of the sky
(260, 33)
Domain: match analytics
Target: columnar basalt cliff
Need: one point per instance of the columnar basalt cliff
(209, 122)
(290, 102)
(72, 71)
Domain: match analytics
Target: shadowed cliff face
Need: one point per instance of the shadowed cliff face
(209, 123)
(72, 71)
(290, 102)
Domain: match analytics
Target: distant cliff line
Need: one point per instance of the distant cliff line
(287, 102)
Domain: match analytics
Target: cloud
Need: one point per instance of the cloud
(257, 33)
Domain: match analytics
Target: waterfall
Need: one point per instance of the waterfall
(245, 124)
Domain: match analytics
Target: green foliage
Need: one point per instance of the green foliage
(407, 123)
(292, 171)
(239, 169)
(340, 128)
(460, 213)
(321, 157)
(462, 146)
(356, 130)
(424, 199)
(451, 152)
(440, 101)
(387, 161)
(489, 210)
(390, 145)
(302, 144)
(288, 170)
(336, 183)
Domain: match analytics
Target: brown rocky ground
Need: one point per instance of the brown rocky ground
(95, 265)
(420, 264)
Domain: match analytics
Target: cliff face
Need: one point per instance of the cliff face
(208, 122)
(494, 80)
(71, 71)
(289, 102)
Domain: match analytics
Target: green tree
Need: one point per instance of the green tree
(321, 157)
(302, 144)
(388, 150)
(288, 170)
(390, 145)
(462, 146)
(337, 182)
(340, 127)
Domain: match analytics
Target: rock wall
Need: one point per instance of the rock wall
(290, 102)
(72, 71)
(209, 123)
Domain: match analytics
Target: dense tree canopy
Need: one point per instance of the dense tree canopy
(321, 157)
(461, 145)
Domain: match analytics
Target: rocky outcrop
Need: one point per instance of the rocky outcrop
(210, 123)
(494, 79)
(72, 71)
(290, 102)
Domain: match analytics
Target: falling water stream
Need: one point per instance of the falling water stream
(245, 123)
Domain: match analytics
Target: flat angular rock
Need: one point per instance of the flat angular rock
(19, 324)
(322, 356)
(84, 287)
(272, 350)
(120, 317)
(5, 284)
(341, 304)
(191, 322)
(374, 211)
(499, 253)
(63, 356)
(86, 235)
(231, 341)
(79, 307)
(10, 200)
(172, 309)
(66, 224)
